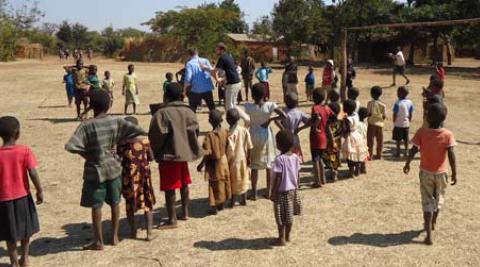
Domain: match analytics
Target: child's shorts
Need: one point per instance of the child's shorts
(432, 189)
(400, 134)
(317, 154)
(174, 175)
(94, 194)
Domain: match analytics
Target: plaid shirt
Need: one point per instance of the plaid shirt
(96, 141)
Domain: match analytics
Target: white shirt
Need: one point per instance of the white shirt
(399, 59)
(403, 108)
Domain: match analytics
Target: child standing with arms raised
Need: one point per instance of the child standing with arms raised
(435, 144)
(402, 117)
(262, 75)
(286, 169)
(376, 122)
(18, 215)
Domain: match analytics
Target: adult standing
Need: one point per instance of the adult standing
(233, 83)
(248, 69)
(292, 78)
(399, 68)
(198, 79)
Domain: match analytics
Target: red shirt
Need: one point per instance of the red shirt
(318, 140)
(440, 72)
(15, 161)
(433, 145)
(327, 79)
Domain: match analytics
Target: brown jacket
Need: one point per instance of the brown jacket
(173, 133)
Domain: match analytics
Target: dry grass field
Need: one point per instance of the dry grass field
(374, 220)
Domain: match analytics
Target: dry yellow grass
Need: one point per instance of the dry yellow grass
(370, 221)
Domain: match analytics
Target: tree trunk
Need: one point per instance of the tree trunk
(446, 40)
(435, 48)
(411, 54)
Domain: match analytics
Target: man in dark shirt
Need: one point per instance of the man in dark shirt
(232, 78)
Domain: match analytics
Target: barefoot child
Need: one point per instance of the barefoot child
(354, 147)
(108, 84)
(18, 215)
(216, 163)
(130, 89)
(95, 140)
(376, 122)
(262, 76)
(435, 144)
(402, 117)
(137, 186)
(69, 86)
(353, 94)
(169, 79)
(362, 115)
(309, 83)
(238, 154)
(332, 154)
(263, 153)
(286, 169)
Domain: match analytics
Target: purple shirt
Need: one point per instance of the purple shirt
(288, 165)
(294, 118)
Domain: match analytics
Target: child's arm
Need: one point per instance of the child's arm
(411, 156)
(453, 164)
(395, 116)
(124, 87)
(279, 125)
(201, 164)
(276, 185)
(36, 182)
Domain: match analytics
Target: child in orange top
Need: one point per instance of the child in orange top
(434, 144)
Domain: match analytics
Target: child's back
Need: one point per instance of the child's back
(15, 161)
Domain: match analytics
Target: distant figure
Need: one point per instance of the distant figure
(233, 84)
(248, 68)
(197, 80)
(69, 82)
(351, 74)
(309, 83)
(90, 53)
(262, 76)
(108, 84)
(80, 74)
(376, 122)
(150, 55)
(399, 65)
(402, 117)
(67, 53)
(130, 89)
(168, 80)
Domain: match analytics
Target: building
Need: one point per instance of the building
(260, 47)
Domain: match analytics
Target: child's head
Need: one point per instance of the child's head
(334, 96)
(92, 70)
(9, 128)
(263, 64)
(436, 114)
(376, 92)
(291, 100)
(329, 63)
(285, 141)
(131, 119)
(233, 116)
(402, 92)
(349, 106)
(131, 68)
(100, 101)
(215, 117)
(335, 107)
(318, 96)
(310, 68)
(169, 76)
(107, 74)
(258, 92)
(436, 83)
(174, 92)
(363, 113)
(353, 93)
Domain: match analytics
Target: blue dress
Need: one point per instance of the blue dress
(69, 84)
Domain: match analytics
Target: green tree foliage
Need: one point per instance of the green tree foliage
(113, 41)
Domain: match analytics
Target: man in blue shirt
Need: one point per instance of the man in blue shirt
(199, 80)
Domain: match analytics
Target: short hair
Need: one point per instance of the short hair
(436, 114)
(353, 93)
(79, 61)
(376, 92)
(437, 83)
(233, 116)
(349, 106)
(333, 95)
(192, 51)
(291, 100)
(258, 90)
(402, 91)
(285, 140)
(131, 119)
(130, 65)
(9, 127)
(363, 113)
(168, 75)
(100, 100)
(174, 92)
(318, 96)
(222, 46)
(215, 115)
(106, 72)
(335, 107)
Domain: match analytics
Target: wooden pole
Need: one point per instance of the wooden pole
(343, 65)
(418, 24)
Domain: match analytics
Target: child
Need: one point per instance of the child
(439, 71)
(328, 78)
(169, 79)
(69, 86)
(238, 154)
(262, 75)
(294, 118)
(319, 135)
(216, 163)
(108, 84)
(18, 215)
(137, 186)
(286, 169)
(434, 144)
(376, 122)
(332, 154)
(351, 74)
(353, 94)
(309, 83)
(402, 117)
(173, 137)
(94, 140)
(362, 115)
(355, 146)
(92, 78)
(263, 140)
(130, 89)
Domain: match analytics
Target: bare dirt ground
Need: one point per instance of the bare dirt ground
(374, 220)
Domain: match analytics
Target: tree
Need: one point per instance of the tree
(64, 33)
(113, 41)
(236, 24)
(79, 35)
(263, 26)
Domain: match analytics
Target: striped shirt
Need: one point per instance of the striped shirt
(96, 141)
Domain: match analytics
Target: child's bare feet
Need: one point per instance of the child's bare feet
(428, 241)
(183, 218)
(150, 236)
(115, 240)
(165, 225)
(94, 246)
(279, 242)
(24, 262)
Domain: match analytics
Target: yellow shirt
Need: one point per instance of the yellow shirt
(376, 109)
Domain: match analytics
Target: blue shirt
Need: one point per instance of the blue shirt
(310, 78)
(68, 78)
(262, 74)
(199, 79)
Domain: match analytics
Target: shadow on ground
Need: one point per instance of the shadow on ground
(56, 120)
(236, 244)
(377, 240)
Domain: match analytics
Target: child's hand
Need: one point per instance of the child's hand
(454, 179)
(199, 167)
(406, 169)
(39, 196)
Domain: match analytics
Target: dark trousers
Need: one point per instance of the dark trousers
(195, 100)
(375, 133)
